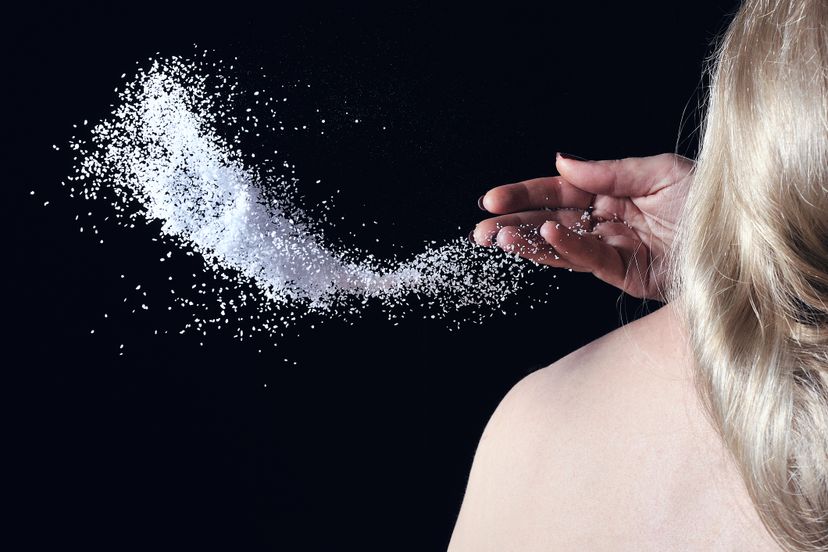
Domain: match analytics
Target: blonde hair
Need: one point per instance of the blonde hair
(749, 268)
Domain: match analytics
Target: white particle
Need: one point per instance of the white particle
(173, 148)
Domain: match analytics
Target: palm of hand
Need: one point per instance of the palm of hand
(636, 204)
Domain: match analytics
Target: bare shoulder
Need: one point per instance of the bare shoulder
(607, 449)
(643, 359)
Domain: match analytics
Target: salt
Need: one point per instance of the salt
(164, 156)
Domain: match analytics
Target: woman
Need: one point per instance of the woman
(703, 426)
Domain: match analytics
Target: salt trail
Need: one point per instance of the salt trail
(164, 155)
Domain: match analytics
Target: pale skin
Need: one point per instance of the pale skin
(608, 448)
(637, 202)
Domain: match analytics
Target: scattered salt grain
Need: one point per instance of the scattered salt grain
(171, 153)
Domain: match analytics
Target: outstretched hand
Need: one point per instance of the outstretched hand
(615, 218)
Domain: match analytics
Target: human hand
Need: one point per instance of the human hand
(615, 218)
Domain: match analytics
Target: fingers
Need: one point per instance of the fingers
(612, 251)
(631, 177)
(486, 229)
(537, 193)
(618, 258)
(527, 242)
(580, 181)
(584, 250)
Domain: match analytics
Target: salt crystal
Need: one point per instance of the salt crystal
(171, 154)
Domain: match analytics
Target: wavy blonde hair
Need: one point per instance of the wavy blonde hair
(749, 270)
(751, 262)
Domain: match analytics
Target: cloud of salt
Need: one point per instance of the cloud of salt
(162, 156)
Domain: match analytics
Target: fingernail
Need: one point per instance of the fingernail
(480, 203)
(494, 237)
(471, 238)
(570, 156)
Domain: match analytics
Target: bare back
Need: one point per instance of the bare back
(608, 449)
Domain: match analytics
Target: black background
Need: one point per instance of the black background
(365, 443)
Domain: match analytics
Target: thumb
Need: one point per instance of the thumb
(630, 177)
